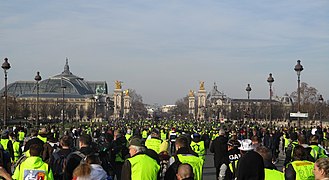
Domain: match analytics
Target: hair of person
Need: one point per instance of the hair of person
(93, 159)
(301, 139)
(12, 135)
(255, 139)
(66, 141)
(323, 164)
(182, 141)
(85, 139)
(185, 171)
(299, 152)
(34, 132)
(138, 148)
(314, 139)
(36, 149)
(83, 170)
(264, 152)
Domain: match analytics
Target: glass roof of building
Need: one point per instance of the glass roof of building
(74, 86)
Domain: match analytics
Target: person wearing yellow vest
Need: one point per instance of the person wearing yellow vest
(42, 135)
(144, 134)
(271, 172)
(154, 142)
(119, 152)
(299, 168)
(325, 138)
(128, 134)
(139, 166)
(7, 143)
(233, 157)
(285, 141)
(33, 167)
(290, 148)
(163, 135)
(198, 146)
(21, 135)
(184, 154)
(16, 147)
(316, 152)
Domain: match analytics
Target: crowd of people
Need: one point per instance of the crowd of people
(164, 149)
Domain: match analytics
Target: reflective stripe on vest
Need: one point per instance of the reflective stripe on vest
(195, 162)
(44, 139)
(303, 169)
(234, 167)
(143, 167)
(272, 174)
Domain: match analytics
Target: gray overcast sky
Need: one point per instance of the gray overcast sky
(163, 48)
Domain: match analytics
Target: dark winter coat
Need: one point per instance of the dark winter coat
(219, 148)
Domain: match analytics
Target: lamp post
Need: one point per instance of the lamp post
(248, 89)
(63, 105)
(5, 66)
(298, 68)
(320, 101)
(270, 80)
(37, 78)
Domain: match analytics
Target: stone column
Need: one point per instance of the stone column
(117, 96)
(126, 103)
(191, 104)
(202, 94)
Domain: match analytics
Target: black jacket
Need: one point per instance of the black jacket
(251, 167)
(74, 160)
(219, 148)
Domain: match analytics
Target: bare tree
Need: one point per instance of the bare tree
(308, 99)
(181, 109)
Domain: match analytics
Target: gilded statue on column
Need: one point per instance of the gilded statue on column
(118, 84)
(201, 85)
(126, 92)
(191, 93)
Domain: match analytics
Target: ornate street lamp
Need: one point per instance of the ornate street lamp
(63, 105)
(37, 78)
(270, 80)
(321, 102)
(298, 68)
(248, 89)
(5, 66)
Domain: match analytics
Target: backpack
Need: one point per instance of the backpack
(58, 164)
(18, 162)
(173, 169)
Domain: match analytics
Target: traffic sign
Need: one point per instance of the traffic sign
(298, 114)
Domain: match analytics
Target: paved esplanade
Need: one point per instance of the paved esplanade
(209, 171)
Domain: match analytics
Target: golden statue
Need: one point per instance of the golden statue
(126, 92)
(118, 84)
(201, 85)
(191, 93)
